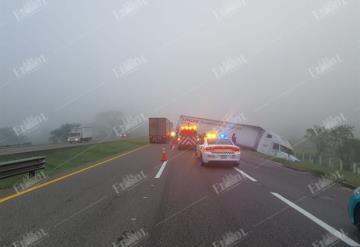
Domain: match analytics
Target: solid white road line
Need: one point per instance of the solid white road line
(161, 169)
(245, 175)
(321, 223)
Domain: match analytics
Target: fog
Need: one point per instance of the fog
(285, 65)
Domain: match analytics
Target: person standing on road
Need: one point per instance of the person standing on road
(233, 138)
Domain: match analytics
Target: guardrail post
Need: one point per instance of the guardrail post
(31, 174)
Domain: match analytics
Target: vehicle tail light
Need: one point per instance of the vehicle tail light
(209, 148)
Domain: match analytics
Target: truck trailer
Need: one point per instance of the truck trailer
(159, 130)
(247, 136)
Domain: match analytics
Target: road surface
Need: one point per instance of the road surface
(179, 203)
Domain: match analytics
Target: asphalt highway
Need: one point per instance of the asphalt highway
(138, 200)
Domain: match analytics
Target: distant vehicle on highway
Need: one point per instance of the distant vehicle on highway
(80, 134)
(354, 208)
(218, 149)
(159, 130)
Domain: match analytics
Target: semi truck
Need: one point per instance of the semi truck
(247, 136)
(159, 130)
(79, 135)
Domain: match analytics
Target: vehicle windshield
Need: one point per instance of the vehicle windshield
(286, 150)
(219, 141)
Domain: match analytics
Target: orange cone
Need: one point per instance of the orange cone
(163, 155)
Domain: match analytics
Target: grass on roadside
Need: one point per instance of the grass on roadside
(350, 179)
(67, 159)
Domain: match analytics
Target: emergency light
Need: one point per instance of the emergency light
(211, 135)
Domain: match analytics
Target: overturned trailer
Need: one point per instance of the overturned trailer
(247, 136)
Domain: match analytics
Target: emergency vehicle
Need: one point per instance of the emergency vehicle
(187, 136)
(217, 148)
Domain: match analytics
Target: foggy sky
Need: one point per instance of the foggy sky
(178, 45)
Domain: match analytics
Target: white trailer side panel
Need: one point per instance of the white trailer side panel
(86, 132)
(247, 136)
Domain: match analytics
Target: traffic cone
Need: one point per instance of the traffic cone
(163, 155)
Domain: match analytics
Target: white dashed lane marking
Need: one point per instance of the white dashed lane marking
(158, 174)
(245, 175)
(321, 223)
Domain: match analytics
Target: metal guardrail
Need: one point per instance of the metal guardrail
(22, 166)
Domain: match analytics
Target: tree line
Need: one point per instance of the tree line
(338, 142)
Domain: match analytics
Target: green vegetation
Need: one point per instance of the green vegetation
(350, 179)
(337, 142)
(68, 159)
